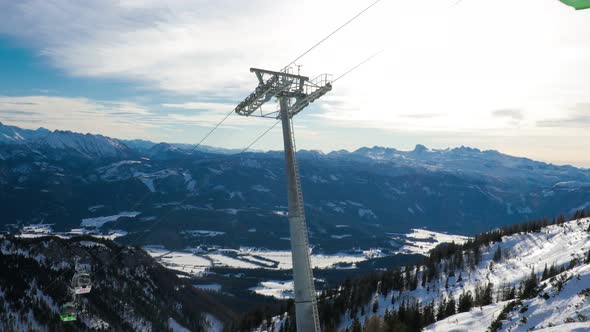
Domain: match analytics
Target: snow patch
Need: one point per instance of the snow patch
(100, 221)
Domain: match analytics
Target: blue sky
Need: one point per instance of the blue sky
(505, 75)
(25, 72)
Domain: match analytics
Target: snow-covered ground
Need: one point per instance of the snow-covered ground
(98, 222)
(276, 288)
(565, 310)
(283, 258)
(175, 326)
(421, 241)
(196, 261)
(180, 261)
(475, 320)
(215, 325)
(558, 244)
(38, 229)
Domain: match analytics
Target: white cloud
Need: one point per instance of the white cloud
(444, 69)
(458, 63)
(121, 119)
(130, 120)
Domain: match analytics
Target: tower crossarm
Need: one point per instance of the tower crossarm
(271, 84)
(302, 103)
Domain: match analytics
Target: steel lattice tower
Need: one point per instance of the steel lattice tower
(294, 93)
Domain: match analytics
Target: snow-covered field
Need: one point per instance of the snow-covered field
(276, 288)
(98, 222)
(283, 258)
(177, 260)
(38, 229)
(421, 241)
(195, 260)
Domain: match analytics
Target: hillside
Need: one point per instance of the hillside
(528, 277)
(131, 291)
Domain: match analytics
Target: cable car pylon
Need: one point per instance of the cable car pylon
(294, 93)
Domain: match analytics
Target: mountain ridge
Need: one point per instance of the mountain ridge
(376, 153)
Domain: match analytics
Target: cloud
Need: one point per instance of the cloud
(514, 114)
(578, 117)
(116, 118)
(11, 112)
(421, 115)
(182, 46)
(435, 76)
(202, 106)
(130, 120)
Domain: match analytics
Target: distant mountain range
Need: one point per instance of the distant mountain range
(92, 146)
(353, 199)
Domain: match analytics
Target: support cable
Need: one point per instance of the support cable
(143, 199)
(245, 149)
(331, 34)
(358, 65)
(258, 138)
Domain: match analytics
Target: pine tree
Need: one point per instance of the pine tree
(465, 301)
(488, 294)
(529, 286)
(376, 306)
(356, 325)
(373, 324)
(450, 310)
(497, 255)
(442, 309)
(428, 314)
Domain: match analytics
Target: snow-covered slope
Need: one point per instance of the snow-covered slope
(563, 300)
(537, 281)
(469, 161)
(563, 303)
(12, 134)
(88, 145)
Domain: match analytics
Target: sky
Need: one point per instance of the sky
(508, 75)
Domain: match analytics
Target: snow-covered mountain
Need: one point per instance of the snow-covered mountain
(531, 279)
(130, 290)
(144, 146)
(12, 134)
(353, 199)
(58, 144)
(562, 302)
(87, 145)
(471, 162)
